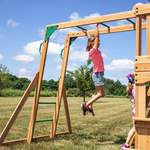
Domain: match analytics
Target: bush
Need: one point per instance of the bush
(15, 92)
(48, 93)
(73, 92)
(11, 93)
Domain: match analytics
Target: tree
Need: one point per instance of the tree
(70, 81)
(3, 72)
(83, 79)
(53, 85)
(3, 69)
(109, 88)
(21, 83)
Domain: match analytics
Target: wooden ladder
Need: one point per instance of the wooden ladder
(53, 120)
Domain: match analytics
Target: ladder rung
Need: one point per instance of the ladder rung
(45, 120)
(47, 102)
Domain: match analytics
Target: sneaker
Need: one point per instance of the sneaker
(124, 146)
(90, 109)
(83, 107)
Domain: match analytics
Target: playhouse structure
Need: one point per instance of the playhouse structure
(138, 19)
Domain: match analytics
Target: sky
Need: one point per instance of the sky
(22, 26)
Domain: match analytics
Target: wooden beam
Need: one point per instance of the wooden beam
(140, 10)
(148, 34)
(143, 9)
(61, 82)
(66, 108)
(95, 20)
(142, 77)
(37, 95)
(138, 35)
(142, 63)
(18, 109)
(103, 30)
(142, 67)
(35, 139)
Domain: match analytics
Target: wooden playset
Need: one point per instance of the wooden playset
(138, 19)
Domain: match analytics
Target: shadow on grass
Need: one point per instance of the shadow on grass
(119, 139)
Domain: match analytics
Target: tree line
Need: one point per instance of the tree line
(77, 83)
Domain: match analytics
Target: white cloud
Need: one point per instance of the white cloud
(74, 16)
(33, 47)
(54, 48)
(92, 15)
(120, 64)
(23, 72)
(12, 23)
(1, 56)
(24, 58)
(78, 55)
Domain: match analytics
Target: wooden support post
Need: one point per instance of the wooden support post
(148, 34)
(138, 35)
(61, 83)
(53, 124)
(142, 126)
(139, 90)
(67, 111)
(140, 109)
(66, 108)
(140, 101)
(37, 95)
(18, 109)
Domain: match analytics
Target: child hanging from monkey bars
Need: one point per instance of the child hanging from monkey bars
(98, 70)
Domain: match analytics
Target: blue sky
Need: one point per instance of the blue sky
(22, 24)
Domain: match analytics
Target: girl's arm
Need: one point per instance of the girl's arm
(96, 42)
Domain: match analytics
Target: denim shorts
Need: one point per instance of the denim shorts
(98, 78)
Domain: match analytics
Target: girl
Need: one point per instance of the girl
(131, 94)
(98, 70)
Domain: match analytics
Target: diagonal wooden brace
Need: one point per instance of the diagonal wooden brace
(18, 109)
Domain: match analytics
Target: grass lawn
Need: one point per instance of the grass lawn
(106, 131)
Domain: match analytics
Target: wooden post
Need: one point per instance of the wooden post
(67, 111)
(141, 101)
(138, 35)
(61, 82)
(148, 34)
(138, 53)
(66, 108)
(37, 95)
(18, 109)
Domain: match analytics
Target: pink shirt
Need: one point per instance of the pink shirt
(97, 59)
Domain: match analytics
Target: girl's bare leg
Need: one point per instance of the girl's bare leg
(98, 93)
(130, 134)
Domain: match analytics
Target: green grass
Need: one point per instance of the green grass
(107, 130)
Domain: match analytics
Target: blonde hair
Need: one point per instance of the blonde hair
(90, 42)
